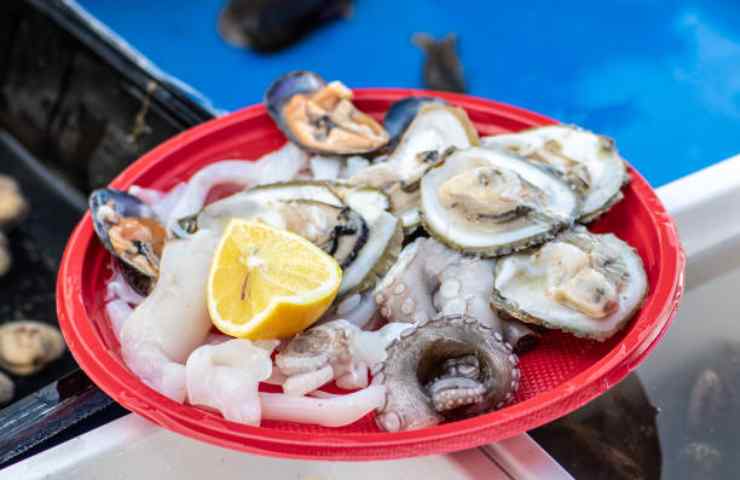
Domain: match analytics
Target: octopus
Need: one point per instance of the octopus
(429, 279)
(336, 350)
(447, 368)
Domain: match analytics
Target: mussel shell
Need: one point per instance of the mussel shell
(124, 204)
(140, 283)
(400, 115)
(286, 87)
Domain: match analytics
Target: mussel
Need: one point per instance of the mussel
(130, 231)
(320, 116)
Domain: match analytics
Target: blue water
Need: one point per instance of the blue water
(661, 77)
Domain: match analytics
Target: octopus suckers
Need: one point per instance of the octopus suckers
(399, 289)
(390, 422)
(508, 346)
(379, 299)
(407, 308)
(498, 337)
(513, 358)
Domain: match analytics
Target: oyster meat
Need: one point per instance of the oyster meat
(583, 283)
(589, 162)
(422, 129)
(320, 117)
(491, 203)
(448, 368)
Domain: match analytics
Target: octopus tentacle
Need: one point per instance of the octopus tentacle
(334, 350)
(452, 366)
(518, 334)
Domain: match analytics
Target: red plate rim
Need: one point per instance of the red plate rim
(107, 372)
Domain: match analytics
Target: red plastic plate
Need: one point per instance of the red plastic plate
(558, 376)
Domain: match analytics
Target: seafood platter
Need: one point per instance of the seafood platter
(368, 274)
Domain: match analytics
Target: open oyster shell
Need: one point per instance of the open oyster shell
(589, 162)
(492, 203)
(583, 283)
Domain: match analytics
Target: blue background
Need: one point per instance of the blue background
(661, 77)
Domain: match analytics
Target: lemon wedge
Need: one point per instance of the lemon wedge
(268, 283)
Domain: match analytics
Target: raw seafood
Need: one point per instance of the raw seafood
(13, 205)
(430, 278)
(589, 162)
(320, 117)
(335, 411)
(334, 350)
(173, 320)
(27, 346)
(492, 203)
(6, 261)
(449, 367)
(278, 166)
(583, 283)
(226, 377)
(129, 230)
(7, 389)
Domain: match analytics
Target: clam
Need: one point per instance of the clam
(321, 117)
(589, 162)
(13, 205)
(130, 231)
(449, 368)
(7, 389)
(490, 203)
(6, 261)
(583, 283)
(27, 346)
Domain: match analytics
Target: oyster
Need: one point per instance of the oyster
(448, 368)
(128, 229)
(402, 112)
(403, 204)
(434, 129)
(350, 223)
(422, 129)
(320, 117)
(583, 283)
(27, 346)
(492, 203)
(589, 162)
(336, 229)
